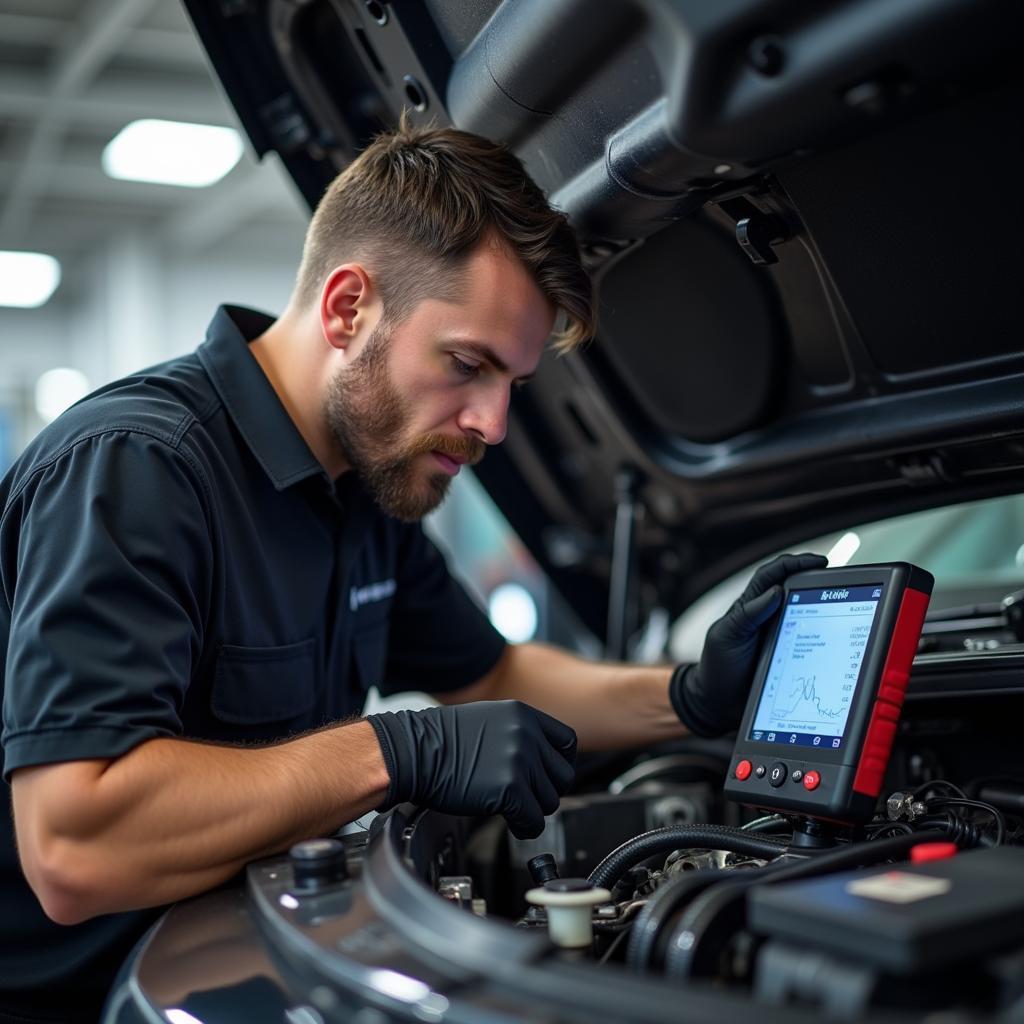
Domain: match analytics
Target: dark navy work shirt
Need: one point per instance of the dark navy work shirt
(175, 562)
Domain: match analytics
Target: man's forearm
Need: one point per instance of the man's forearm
(173, 818)
(610, 706)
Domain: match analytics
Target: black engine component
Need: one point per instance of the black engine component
(903, 920)
(923, 934)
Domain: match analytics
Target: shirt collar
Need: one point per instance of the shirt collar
(250, 399)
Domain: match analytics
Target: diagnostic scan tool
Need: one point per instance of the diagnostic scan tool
(822, 713)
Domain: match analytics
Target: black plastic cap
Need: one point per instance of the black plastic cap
(568, 885)
(542, 868)
(317, 863)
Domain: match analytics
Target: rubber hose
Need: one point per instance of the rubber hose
(705, 927)
(769, 823)
(676, 837)
(664, 905)
(961, 831)
(853, 855)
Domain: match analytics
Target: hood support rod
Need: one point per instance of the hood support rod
(623, 612)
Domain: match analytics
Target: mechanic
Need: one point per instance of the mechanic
(206, 566)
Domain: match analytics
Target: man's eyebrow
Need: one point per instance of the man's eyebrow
(488, 355)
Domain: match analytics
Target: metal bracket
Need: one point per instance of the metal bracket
(757, 231)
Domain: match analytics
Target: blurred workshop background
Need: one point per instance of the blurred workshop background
(114, 251)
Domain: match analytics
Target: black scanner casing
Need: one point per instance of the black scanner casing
(852, 775)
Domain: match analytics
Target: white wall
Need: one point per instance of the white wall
(131, 305)
(31, 342)
(194, 290)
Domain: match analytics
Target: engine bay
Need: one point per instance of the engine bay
(733, 911)
(914, 911)
(683, 904)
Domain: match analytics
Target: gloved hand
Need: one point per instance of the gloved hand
(709, 697)
(490, 757)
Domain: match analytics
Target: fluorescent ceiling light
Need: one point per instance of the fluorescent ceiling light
(172, 153)
(57, 389)
(27, 279)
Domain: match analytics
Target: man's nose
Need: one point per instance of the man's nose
(487, 416)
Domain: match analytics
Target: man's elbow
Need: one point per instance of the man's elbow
(55, 871)
(55, 825)
(64, 908)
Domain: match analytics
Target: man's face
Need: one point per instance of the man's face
(421, 399)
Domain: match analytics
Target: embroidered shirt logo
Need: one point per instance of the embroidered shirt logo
(380, 591)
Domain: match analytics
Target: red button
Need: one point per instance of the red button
(892, 694)
(743, 770)
(811, 779)
(886, 711)
(924, 852)
(896, 678)
(881, 733)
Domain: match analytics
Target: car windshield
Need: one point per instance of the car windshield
(975, 551)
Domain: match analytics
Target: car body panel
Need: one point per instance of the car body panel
(802, 221)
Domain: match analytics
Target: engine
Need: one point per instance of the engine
(649, 897)
(919, 908)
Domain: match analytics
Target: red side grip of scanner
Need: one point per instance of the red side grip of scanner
(874, 757)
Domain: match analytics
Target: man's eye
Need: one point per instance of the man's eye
(465, 369)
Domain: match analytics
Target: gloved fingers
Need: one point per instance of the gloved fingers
(525, 820)
(778, 569)
(810, 560)
(561, 736)
(544, 791)
(558, 768)
(761, 609)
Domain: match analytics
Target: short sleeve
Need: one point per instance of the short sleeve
(104, 555)
(439, 638)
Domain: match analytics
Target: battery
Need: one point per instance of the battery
(902, 919)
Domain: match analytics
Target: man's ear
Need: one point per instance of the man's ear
(349, 305)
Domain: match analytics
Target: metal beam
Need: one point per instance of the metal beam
(159, 45)
(98, 35)
(245, 188)
(32, 30)
(166, 46)
(76, 237)
(24, 96)
(238, 198)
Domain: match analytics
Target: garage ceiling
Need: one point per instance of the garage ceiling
(72, 74)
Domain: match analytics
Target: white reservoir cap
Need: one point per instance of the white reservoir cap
(570, 904)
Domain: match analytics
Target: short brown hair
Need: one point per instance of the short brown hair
(417, 201)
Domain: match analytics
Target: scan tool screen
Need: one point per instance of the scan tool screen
(815, 666)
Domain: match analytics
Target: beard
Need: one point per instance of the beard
(370, 420)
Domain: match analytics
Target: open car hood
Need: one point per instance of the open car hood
(804, 222)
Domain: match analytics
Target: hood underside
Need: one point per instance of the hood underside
(803, 219)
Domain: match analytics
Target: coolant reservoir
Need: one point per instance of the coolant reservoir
(569, 903)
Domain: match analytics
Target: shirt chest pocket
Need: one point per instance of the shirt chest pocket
(255, 685)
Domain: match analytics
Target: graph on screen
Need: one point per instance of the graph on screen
(815, 666)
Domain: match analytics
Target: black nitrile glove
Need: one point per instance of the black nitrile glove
(709, 697)
(491, 757)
